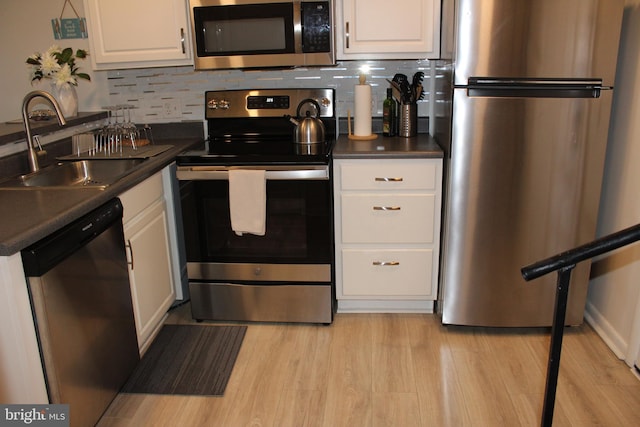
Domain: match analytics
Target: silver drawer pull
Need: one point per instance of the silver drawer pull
(390, 179)
(386, 263)
(386, 208)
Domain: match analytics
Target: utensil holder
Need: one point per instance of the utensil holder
(408, 120)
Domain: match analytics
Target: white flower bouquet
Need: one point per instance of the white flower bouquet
(58, 65)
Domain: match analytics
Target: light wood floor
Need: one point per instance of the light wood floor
(400, 370)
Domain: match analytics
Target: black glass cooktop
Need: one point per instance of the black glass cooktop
(257, 151)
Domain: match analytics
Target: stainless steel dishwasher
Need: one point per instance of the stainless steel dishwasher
(81, 301)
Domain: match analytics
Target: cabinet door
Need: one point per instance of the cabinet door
(382, 29)
(137, 33)
(150, 271)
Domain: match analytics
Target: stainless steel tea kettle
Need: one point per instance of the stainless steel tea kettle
(309, 130)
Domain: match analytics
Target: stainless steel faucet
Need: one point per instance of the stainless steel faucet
(31, 152)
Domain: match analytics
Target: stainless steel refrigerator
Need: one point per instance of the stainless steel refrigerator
(525, 104)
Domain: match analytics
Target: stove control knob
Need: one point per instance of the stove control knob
(218, 104)
(325, 102)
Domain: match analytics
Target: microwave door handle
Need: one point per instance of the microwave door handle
(297, 30)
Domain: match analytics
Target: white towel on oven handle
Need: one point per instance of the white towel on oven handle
(248, 201)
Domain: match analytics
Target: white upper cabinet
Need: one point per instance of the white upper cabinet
(137, 33)
(383, 29)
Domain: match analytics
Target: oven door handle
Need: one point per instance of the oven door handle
(200, 173)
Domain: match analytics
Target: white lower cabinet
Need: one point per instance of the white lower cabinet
(22, 377)
(148, 253)
(387, 222)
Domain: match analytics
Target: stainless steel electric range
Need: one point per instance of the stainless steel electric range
(285, 273)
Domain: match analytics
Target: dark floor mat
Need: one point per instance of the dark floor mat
(188, 360)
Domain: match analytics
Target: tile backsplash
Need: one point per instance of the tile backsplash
(177, 93)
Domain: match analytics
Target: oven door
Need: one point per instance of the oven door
(298, 242)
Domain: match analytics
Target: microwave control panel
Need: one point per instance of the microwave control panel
(316, 26)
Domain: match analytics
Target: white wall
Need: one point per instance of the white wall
(613, 304)
(25, 28)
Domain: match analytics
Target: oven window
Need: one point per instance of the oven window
(244, 29)
(298, 224)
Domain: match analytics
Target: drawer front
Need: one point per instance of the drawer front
(387, 273)
(136, 199)
(388, 218)
(390, 175)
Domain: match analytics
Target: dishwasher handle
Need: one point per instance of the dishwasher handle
(48, 252)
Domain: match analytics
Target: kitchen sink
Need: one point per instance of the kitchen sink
(98, 173)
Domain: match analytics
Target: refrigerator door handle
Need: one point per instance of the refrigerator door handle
(534, 88)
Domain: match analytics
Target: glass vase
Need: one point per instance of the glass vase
(67, 98)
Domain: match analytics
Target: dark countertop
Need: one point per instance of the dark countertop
(14, 130)
(422, 146)
(29, 215)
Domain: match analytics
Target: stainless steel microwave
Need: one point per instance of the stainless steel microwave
(261, 33)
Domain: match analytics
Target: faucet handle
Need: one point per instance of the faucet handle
(36, 139)
(41, 151)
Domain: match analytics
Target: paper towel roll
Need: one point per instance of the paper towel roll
(362, 116)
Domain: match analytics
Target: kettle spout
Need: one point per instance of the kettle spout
(291, 119)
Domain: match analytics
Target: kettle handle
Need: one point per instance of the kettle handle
(312, 101)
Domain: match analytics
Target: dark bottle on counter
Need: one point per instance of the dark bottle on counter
(389, 115)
